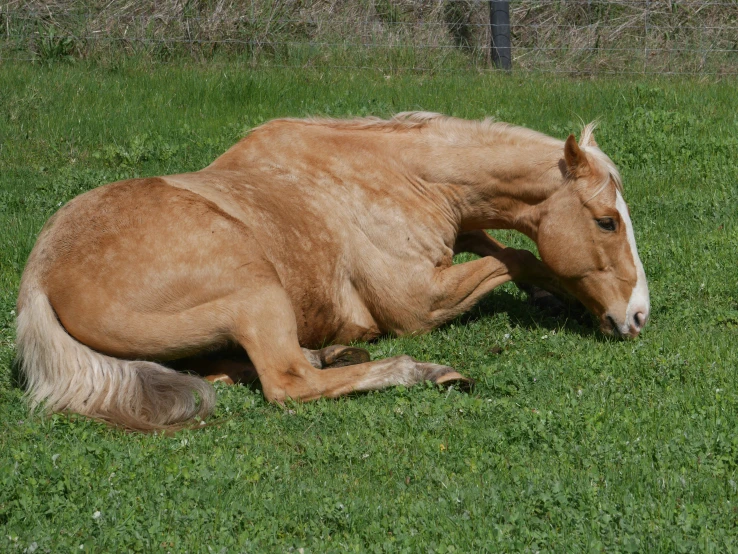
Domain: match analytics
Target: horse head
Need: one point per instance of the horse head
(586, 237)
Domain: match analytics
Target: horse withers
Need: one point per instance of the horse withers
(306, 233)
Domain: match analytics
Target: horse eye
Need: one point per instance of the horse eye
(606, 223)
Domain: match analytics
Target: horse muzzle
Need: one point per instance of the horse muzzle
(629, 328)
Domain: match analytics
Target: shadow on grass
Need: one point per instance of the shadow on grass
(16, 376)
(524, 313)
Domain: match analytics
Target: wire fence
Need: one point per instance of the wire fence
(565, 36)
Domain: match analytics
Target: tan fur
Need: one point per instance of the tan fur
(306, 233)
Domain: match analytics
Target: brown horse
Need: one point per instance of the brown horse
(306, 233)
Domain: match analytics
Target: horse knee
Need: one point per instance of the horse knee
(296, 382)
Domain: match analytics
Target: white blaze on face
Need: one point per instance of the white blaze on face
(639, 300)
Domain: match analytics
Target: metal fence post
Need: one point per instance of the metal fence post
(499, 20)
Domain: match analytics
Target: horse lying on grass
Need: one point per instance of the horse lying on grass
(306, 233)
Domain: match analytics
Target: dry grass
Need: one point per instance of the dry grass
(660, 36)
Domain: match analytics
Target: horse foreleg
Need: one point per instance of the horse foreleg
(533, 276)
(266, 328)
(477, 242)
(458, 288)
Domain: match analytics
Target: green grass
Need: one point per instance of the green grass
(569, 441)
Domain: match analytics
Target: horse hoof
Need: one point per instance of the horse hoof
(342, 356)
(220, 378)
(455, 378)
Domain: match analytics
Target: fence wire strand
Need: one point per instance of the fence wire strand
(673, 37)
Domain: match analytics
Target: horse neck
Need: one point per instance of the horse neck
(481, 177)
(491, 185)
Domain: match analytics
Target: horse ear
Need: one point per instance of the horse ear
(576, 161)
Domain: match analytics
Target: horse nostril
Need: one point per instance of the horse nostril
(639, 319)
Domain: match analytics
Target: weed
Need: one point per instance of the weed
(52, 47)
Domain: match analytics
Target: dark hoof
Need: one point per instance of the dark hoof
(342, 356)
(544, 300)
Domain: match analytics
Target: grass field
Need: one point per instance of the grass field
(569, 441)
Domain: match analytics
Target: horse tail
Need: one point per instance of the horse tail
(65, 375)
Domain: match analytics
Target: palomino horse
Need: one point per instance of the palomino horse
(306, 233)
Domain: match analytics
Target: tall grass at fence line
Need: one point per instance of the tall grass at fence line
(579, 36)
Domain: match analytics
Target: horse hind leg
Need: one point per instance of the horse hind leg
(232, 368)
(284, 369)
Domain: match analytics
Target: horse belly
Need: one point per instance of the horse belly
(358, 324)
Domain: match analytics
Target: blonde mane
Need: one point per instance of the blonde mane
(460, 132)
(471, 133)
(589, 145)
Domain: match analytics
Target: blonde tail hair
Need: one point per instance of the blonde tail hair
(62, 374)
